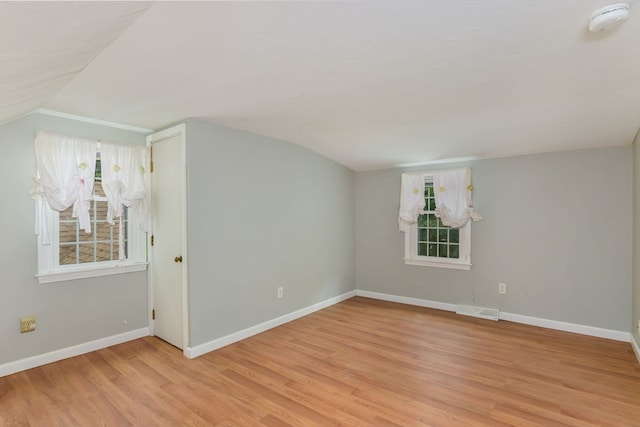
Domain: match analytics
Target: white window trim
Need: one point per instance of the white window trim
(411, 256)
(49, 271)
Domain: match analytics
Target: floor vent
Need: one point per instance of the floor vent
(481, 312)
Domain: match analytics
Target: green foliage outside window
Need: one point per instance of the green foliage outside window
(434, 238)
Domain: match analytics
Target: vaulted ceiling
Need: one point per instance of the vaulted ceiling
(369, 84)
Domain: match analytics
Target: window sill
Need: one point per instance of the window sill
(91, 271)
(439, 264)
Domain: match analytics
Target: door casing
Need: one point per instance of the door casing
(178, 130)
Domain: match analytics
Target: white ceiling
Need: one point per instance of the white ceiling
(370, 84)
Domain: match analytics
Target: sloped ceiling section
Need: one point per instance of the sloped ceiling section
(369, 84)
(44, 45)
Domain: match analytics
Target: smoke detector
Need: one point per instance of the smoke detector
(608, 16)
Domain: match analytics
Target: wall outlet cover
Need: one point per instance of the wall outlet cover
(27, 324)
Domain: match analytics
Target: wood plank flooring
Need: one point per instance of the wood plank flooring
(361, 362)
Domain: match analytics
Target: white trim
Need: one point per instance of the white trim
(50, 271)
(440, 264)
(89, 120)
(201, 349)
(411, 256)
(65, 353)
(178, 130)
(408, 300)
(636, 347)
(567, 327)
(92, 271)
(517, 318)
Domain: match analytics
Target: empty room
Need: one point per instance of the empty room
(317, 213)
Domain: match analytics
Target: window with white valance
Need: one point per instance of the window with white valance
(91, 207)
(435, 214)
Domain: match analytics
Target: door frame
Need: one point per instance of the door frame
(181, 131)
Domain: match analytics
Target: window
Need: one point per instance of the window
(73, 253)
(103, 244)
(430, 243)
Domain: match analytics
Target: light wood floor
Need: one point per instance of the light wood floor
(360, 362)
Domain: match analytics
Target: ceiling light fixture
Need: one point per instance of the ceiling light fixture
(608, 16)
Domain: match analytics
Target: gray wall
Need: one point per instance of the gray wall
(635, 300)
(261, 214)
(555, 229)
(68, 313)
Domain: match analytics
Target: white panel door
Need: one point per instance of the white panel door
(166, 249)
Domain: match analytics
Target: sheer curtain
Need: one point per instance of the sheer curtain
(411, 200)
(452, 191)
(123, 181)
(64, 177)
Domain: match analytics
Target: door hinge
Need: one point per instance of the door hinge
(153, 314)
(152, 239)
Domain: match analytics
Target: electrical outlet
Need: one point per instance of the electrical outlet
(502, 288)
(27, 324)
(280, 291)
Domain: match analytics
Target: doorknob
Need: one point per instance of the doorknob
(178, 258)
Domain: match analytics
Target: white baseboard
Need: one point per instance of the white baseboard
(201, 349)
(65, 353)
(567, 327)
(408, 300)
(527, 320)
(636, 347)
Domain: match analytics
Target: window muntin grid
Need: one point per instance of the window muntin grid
(102, 244)
(434, 238)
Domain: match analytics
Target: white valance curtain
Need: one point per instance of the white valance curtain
(411, 200)
(64, 177)
(452, 191)
(123, 182)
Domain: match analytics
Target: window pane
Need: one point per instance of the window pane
(86, 252)
(433, 235)
(423, 249)
(454, 251)
(98, 173)
(101, 211)
(433, 221)
(442, 251)
(68, 231)
(443, 235)
(102, 244)
(433, 250)
(65, 215)
(431, 204)
(104, 252)
(97, 189)
(83, 236)
(422, 234)
(103, 231)
(67, 255)
(422, 221)
(454, 235)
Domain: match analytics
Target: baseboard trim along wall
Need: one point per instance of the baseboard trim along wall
(201, 349)
(192, 352)
(527, 320)
(65, 353)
